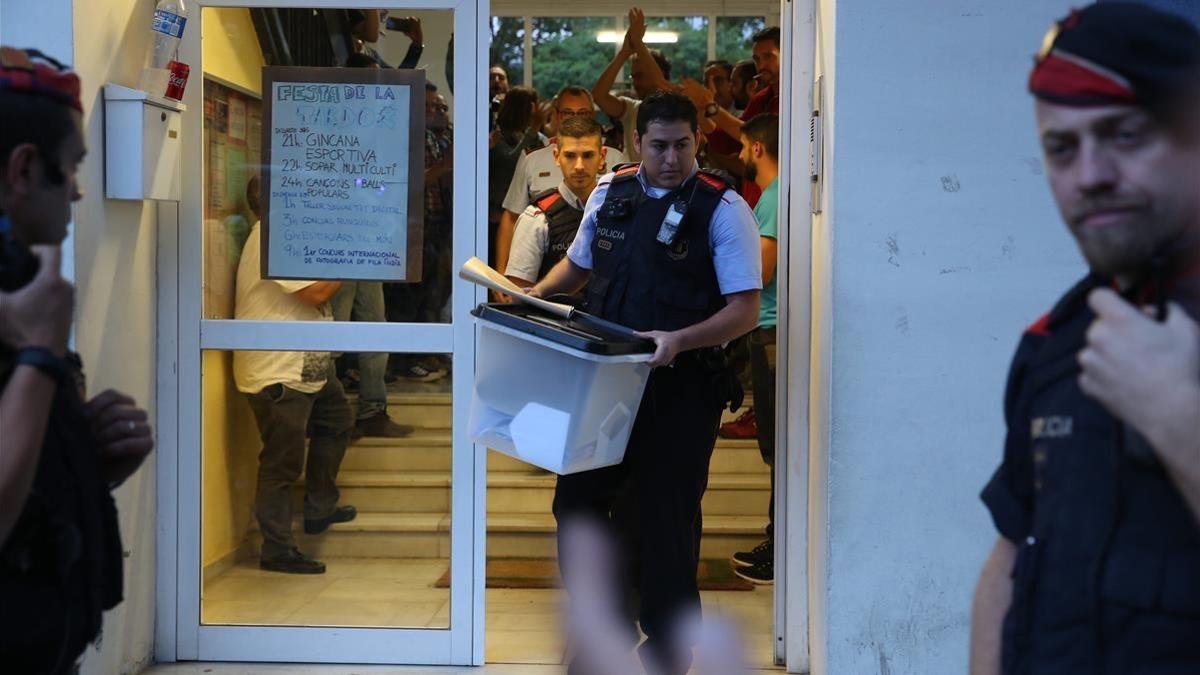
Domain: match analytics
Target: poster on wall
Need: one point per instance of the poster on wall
(343, 173)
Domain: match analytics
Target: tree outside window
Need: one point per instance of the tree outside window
(733, 36)
(565, 51)
(508, 47)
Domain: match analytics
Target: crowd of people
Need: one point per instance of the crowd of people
(546, 165)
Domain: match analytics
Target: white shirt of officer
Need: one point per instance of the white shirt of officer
(531, 238)
(538, 171)
(732, 235)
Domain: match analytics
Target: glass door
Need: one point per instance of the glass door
(328, 502)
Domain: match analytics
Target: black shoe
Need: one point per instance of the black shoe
(381, 426)
(293, 562)
(764, 552)
(762, 574)
(342, 514)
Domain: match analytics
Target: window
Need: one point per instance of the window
(733, 36)
(687, 56)
(508, 47)
(565, 51)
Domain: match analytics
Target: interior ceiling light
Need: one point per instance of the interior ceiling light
(652, 37)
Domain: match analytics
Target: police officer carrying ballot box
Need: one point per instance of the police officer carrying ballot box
(672, 252)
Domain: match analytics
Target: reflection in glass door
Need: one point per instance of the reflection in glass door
(317, 240)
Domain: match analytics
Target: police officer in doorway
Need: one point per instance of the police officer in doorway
(61, 455)
(1097, 566)
(548, 226)
(671, 251)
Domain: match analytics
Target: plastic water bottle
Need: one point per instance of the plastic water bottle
(170, 18)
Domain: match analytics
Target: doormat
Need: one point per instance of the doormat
(713, 575)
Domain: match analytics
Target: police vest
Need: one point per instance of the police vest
(562, 220)
(1107, 575)
(641, 283)
(60, 566)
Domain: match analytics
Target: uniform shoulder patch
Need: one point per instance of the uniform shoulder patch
(713, 180)
(1041, 327)
(546, 201)
(626, 171)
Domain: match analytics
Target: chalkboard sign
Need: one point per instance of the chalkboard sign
(343, 172)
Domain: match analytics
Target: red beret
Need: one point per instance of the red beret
(1119, 53)
(28, 71)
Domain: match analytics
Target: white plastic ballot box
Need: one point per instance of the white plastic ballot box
(552, 393)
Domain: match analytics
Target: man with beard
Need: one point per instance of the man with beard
(1097, 566)
(760, 156)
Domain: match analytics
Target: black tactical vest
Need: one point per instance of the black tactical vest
(563, 220)
(1107, 576)
(60, 567)
(641, 283)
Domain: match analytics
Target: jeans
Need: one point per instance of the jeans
(284, 416)
(364, 300)
(762, 369)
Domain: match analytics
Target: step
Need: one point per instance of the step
(727, 494)
(421, 410)
(429, 450)
(517, 492)
(510, 535)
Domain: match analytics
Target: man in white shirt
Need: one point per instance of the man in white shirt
(649, 70)
(290, 393)
(538, 171)
(547, 227)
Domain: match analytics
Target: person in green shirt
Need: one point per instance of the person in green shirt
(760, 154)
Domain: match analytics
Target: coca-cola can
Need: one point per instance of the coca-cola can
(177, 79)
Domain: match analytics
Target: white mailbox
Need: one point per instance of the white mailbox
(143, 142)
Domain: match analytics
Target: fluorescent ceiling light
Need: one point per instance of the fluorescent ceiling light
(652, 36)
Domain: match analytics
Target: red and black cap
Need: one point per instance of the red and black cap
(1119, 53)
(28, 71)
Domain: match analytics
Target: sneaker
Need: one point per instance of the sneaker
(342, 514)
(293, 562)
(743, 427)
(762, 574)
(382, 426)
(764, 552)
(418, 372)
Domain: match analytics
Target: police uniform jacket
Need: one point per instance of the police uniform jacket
(60, 567)
(1107, 574)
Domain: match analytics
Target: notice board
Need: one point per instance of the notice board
(343, 172)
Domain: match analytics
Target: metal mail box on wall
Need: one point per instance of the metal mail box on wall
(142, 145)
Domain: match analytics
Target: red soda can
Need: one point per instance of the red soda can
(177, 79)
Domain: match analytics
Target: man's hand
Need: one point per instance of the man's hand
(413, 30)
(123, 433)
(637, 28)
(668, 346)
(700, 94)
(1146, 373)
(39, 315)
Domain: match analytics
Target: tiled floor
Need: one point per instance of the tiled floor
(523, 625)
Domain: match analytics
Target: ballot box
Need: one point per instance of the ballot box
(553, 393)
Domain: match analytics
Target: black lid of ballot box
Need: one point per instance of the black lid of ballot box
(566, 332)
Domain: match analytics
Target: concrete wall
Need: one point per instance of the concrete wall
(942, 243)
(115, 247)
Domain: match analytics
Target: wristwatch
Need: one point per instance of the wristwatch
(44, 360)
(711, 109)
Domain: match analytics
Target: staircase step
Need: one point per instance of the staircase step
(517, 492)
(429, 450)
(514, 535)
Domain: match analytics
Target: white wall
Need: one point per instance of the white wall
(115, 245)
(942, 244)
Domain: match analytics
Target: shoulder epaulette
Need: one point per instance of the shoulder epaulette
(1040, 327)
(717, 181)
(547, 199)
(626, 171)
